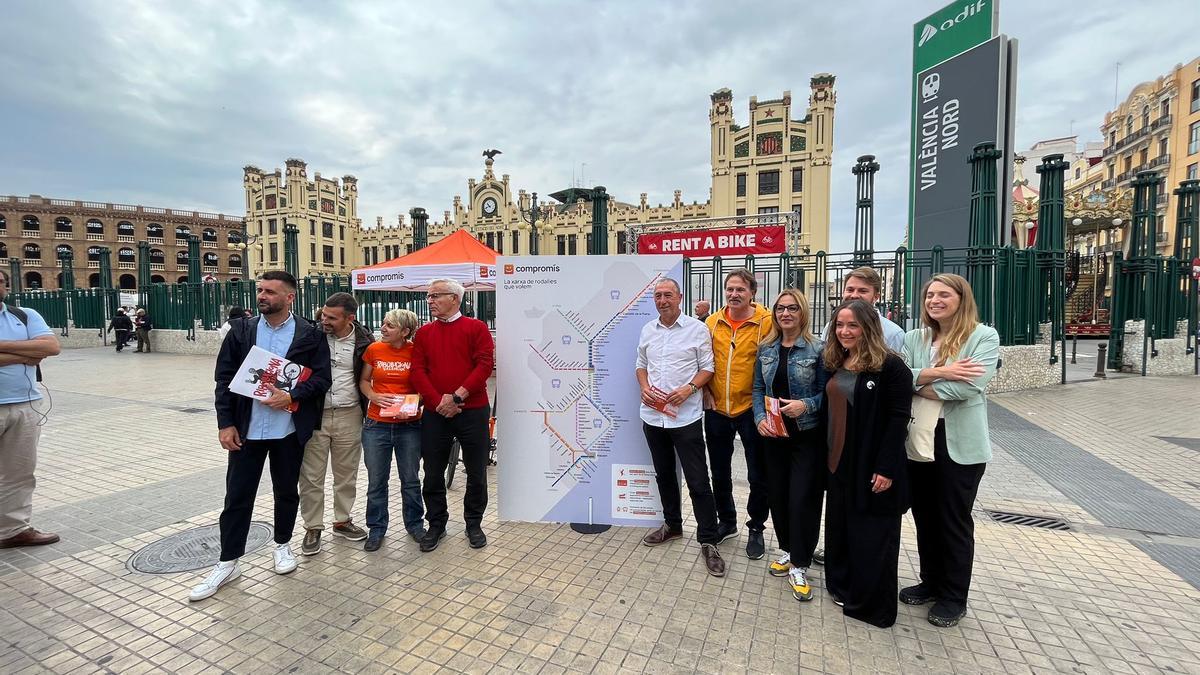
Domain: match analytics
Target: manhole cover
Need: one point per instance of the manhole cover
(192, 549)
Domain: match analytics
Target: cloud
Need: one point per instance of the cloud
(163, 103)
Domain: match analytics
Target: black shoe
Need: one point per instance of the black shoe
(372, 543)
(818, 557)
(726, 531)
(837, 600)
(917, 595)
(755, 547)
(476, 536)
(418, 534)
(945, 614)
(431, 540)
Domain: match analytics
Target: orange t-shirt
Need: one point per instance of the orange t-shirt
(390, 373)
(734, 325)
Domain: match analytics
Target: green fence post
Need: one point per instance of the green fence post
(981, 251)
(14, 273)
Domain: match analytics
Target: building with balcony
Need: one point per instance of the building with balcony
(35, 230)
(777, 162)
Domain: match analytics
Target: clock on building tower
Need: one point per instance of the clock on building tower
(489, 206)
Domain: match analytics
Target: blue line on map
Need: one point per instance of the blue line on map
(577, 460)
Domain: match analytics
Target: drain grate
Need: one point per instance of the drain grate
(192, 410)
(1028, 521)
(191, 550)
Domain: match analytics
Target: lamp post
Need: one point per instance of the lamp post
(242, 245)
(531, 217)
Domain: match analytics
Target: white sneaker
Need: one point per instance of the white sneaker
(798, 579)
(780, 567)
(222, 574)
(285, 560)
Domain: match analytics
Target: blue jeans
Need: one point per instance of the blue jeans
(381, 440)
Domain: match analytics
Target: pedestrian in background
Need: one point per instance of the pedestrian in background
(143, 327)
(122, 327)
(952, 357)
(235, 313)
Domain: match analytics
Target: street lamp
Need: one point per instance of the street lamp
(245, 240)
(531, 217)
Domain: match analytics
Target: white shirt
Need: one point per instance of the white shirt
(344, 392)
(671, 356)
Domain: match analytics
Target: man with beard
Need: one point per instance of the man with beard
(253, 430)
(339, 440)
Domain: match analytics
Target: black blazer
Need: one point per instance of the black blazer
(876, 426)
(309, 348)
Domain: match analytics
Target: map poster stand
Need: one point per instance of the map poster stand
(589, 527)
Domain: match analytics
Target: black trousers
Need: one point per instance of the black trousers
(438, 433)
(796, 476)
(943, 492)
(242, 476)
(862, 552)
(122, 338)
(719, 431)
(687, 443)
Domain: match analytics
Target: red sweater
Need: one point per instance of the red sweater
(447, 356)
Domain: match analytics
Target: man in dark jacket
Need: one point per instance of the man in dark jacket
(144, 326)
(122, 325)
(253, 430)
(338, 443)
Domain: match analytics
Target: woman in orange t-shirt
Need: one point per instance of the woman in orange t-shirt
(385, 381)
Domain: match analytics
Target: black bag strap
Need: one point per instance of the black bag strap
(24, 319)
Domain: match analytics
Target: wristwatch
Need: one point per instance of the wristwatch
(694, 387)
(458, 400)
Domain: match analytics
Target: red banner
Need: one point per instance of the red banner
(702, 243)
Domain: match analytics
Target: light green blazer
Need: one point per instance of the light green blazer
(964, 403)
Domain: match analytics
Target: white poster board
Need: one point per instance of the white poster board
(566, 341)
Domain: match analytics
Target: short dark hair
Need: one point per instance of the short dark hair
(867, 274)
(279, 275)
(343, 300)
(746, 276)
(236, 313)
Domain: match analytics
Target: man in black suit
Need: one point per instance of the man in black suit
(253, 430)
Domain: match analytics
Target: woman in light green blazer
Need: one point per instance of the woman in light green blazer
(952, 357)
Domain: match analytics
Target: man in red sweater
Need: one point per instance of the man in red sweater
(452, 360)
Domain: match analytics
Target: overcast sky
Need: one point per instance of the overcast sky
(163, 103)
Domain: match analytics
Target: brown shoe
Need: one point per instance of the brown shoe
(712, 560)
(30, 537)
(661, 536)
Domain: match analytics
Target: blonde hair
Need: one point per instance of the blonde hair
(871, 351)
(804, 317)
(962, 324)
(401, 319)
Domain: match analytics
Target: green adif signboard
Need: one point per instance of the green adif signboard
(948, 32)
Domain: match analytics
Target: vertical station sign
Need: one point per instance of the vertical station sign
(952, 30)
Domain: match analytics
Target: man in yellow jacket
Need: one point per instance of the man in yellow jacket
(736, 331)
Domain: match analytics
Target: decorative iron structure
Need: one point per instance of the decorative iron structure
(864, 209)
(291, 253)
(599, 240)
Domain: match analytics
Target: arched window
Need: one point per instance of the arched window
(211, 260)
(33, 280)
(95, 227)
(3, 222)
(62, 224)
(181, 233)
(32, 252)
(126, 255)
(125, 229)
(154, 231)
(209, 235)
(182, 279)
(3, 250)
(61, 249)
(234, 237)
(1128, 125)
(30, 224)
(93, 254)
(127, 282)
(157, 279)
(94, 280)
(1145, 116)
(181, 257)
(235, 261)
(157, 256)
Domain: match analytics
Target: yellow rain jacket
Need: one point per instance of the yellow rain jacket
(734, 357)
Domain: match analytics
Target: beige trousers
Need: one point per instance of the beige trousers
(338, 443)
(19, 432)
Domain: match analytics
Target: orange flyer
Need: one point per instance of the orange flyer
(405, 407)
(775, 427)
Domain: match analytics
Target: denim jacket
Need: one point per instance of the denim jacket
(806, 379)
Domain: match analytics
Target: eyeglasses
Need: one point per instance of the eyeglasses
(435, 296)
(787, 308)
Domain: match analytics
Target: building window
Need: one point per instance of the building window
(741, 185)
(366, 255)
(516, 238)
(1112, 139)
(312, 253)
(342, 232)
(622, 241)
(1128, 125)
(741, 212)
(1111, 171)
(1077, 171)
(342, 255)
(1143, 157)
(1164, 108)
(766, 219)
(374, 254)
(490, 240)
(1193, 171)
(1145, 116)
(327, 254)
(1195, 96)
(1194, 138)
(327, 229)
(572, 244)
(272, 228)
(312, 227)
(274, 252)
(1162, 147)
(768, 182)
(562, 244)
(798, 179)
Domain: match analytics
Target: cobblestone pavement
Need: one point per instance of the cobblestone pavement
(129, 455)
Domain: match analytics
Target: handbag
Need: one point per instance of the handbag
(919, 444)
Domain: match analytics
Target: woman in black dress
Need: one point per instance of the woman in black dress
(868, 402)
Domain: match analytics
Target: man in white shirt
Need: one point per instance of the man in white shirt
(864, 283)
(674, 362)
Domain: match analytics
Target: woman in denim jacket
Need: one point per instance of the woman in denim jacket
(797, 462)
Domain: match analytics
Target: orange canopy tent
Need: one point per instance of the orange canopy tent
(459, 256)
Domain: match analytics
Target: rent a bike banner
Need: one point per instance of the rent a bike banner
(703, 243)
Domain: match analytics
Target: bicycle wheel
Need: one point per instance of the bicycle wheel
(451, 465)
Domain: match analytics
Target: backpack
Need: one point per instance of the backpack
(24, 319)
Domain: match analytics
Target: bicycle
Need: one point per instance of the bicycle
(456, 453)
